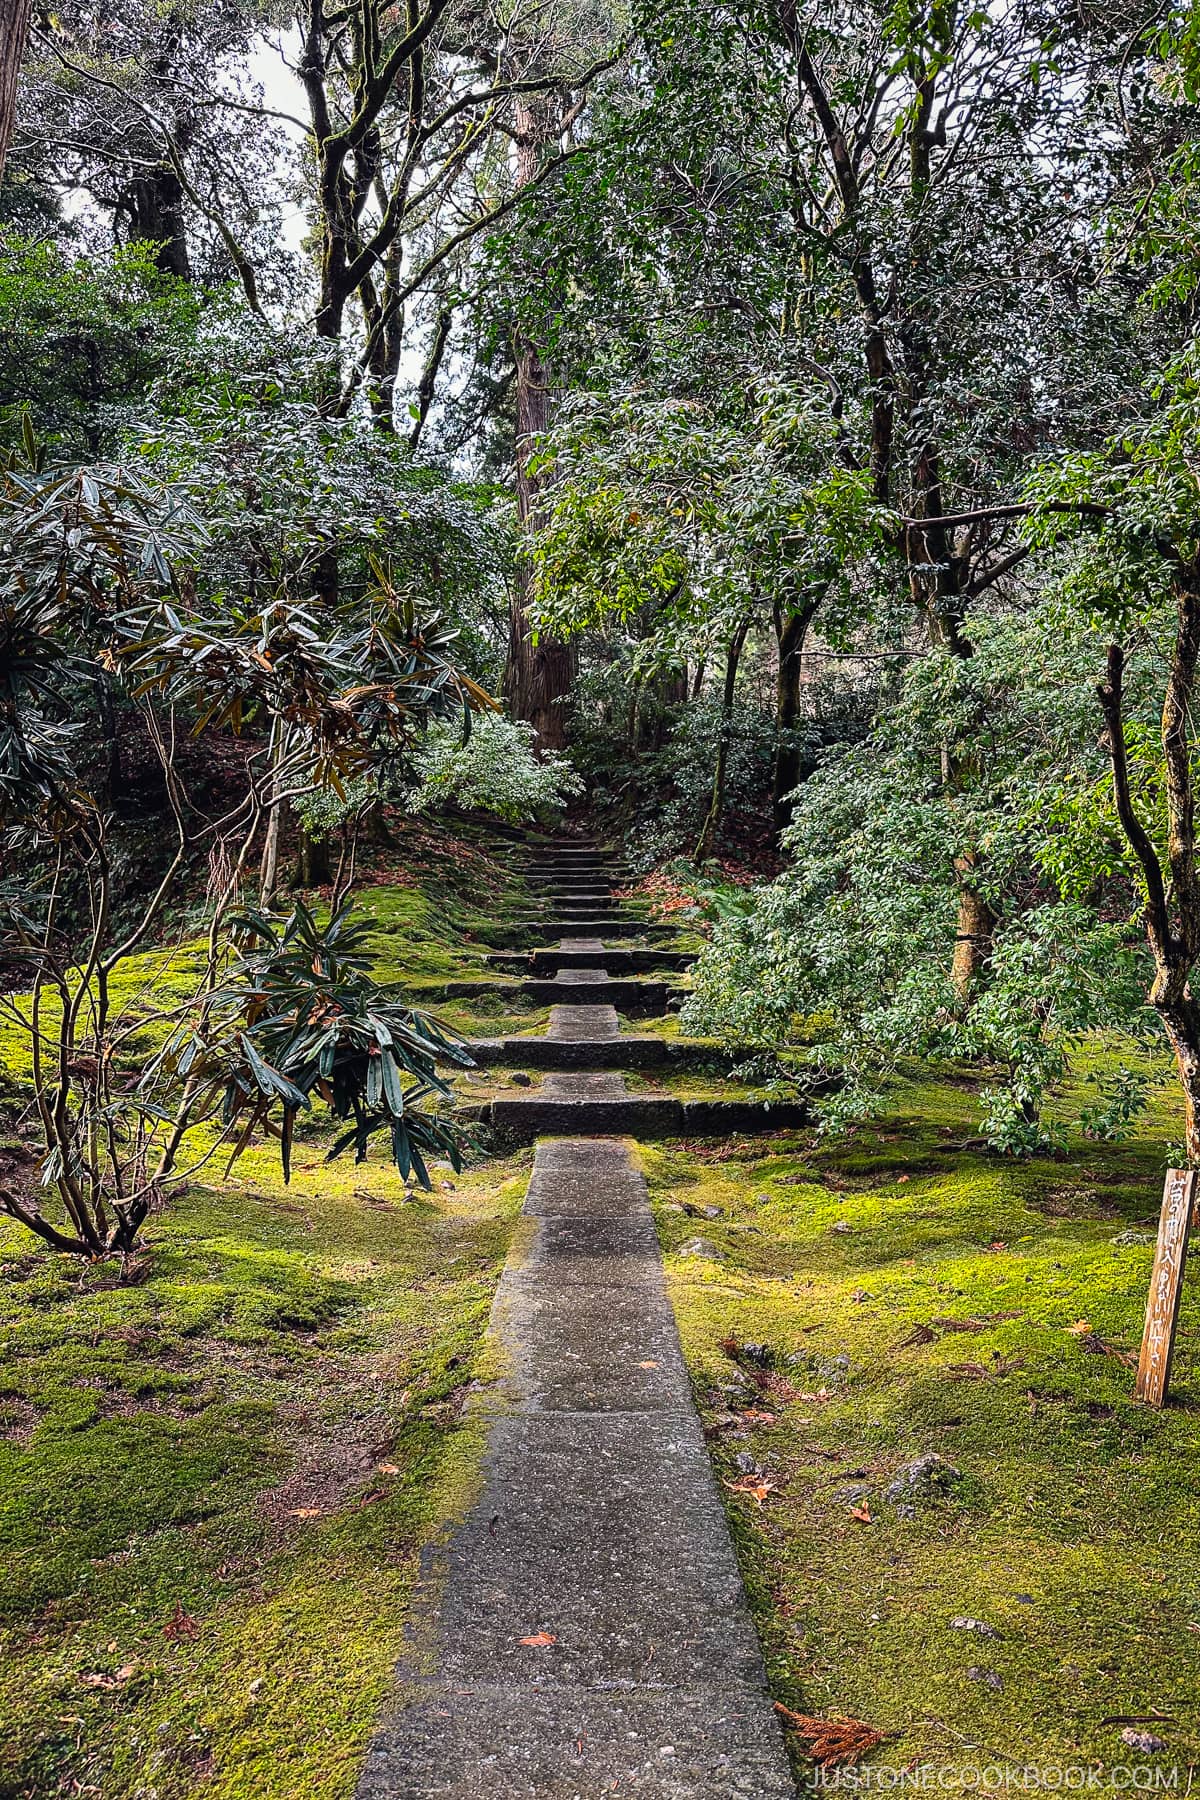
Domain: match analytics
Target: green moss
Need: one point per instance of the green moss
(1074, 1529)
(216, 1480)
(211, 1438)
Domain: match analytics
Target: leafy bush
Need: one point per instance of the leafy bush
(494, 769)
(847, 961)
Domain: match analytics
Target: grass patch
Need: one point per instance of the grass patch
(217, 1480)
(930, 1299)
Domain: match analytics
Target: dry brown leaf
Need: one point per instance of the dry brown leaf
(753, 1488)
(1081, 1328)
(180, 1625)
(920, 1334)
(306, 1512)
(107, 1682)
(862, 1514)
(831, 1743)
(539, 1640)
(387, 1468)
(647, 1365)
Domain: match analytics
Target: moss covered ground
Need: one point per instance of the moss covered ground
(866, 1303)
(216, 1479)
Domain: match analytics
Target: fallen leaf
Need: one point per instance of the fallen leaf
(305, 1512)
(107, 1682)
(1081, 1328)
(753, 1487)
(1142, 1740)
(539, 1640)
(647, 1365)
(920, 1334)
(862, 1514)
(831, 1743)
(180, 1625)
(387, 1469)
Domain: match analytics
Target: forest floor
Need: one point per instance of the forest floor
(1033, 1600)
(216, 1480)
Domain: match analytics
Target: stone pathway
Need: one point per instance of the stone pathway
(599, 1533)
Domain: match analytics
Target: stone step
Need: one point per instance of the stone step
(618, 1051)
(617, 961)
(594, 900)
(638, 999)
(583, 1112)
(583, 1026)
(607, 926)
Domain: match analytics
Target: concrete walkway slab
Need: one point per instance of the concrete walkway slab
(591, 1634)
(599, 1529)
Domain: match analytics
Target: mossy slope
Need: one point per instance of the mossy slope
(1073, 1530)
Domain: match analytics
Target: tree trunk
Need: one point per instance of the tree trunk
(716, 811)
(268, 877)
(538, 677)
(14, 28)
(1182, 1025)
(313, 866)
(791, 631)
(156, 216)
(976, 927)
(429, 374)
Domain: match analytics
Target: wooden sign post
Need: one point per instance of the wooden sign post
(1166, 1286)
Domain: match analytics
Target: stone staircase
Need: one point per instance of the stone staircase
(584, 1630)
(588, 980)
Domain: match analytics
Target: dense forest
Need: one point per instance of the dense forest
(763, 440)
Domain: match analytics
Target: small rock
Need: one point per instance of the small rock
(904, 1511)
(1024, 1599)
(746, 1464)
(762, 1354)
(713, 1212)
(928, 1479)
(988, 1677)
(978, 1626)
(1130, 1237)
(841, 1225)
(1142, 1740)
(704, 1247)
(852, 1495)
(521, 1080)
(256, 1687)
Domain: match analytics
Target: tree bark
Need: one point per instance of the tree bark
(975, 930)
(1182, 1025)
(154, 205)
(716, 811)
(538, 676)
(1171, 915)
(313, 865)
(14, 29)
(429, 374)
(791, 631)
